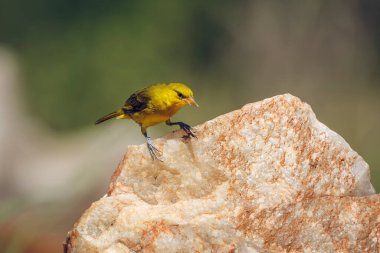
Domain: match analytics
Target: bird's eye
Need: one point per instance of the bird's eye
(180, 95)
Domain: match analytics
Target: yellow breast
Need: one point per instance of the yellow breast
(147, 118)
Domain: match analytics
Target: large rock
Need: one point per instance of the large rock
(266, 178)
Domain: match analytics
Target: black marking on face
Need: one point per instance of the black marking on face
(180, 95)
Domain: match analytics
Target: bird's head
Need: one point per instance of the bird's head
(183, 95)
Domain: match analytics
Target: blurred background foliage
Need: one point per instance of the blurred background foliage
(81, 59)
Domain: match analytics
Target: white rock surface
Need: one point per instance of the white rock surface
(266, 178)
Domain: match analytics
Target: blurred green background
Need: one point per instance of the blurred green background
(64, 63)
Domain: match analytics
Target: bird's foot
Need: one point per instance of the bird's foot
(188, 130)
(153, 151)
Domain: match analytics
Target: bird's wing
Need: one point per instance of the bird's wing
(136, 102)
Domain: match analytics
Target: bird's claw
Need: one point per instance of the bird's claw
(153, 151)
(188, 131)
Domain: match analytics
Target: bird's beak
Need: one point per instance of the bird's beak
(190, 100)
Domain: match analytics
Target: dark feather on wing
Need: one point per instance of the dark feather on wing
(136, 102)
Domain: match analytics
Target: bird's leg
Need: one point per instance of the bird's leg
(185, 127)
(152, 149)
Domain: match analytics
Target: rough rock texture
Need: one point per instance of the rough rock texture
(266, 178)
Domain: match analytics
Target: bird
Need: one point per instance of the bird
(155, 104)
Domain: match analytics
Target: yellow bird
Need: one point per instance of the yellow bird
(155, 104)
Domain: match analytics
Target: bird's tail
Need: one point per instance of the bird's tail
(116, 114)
